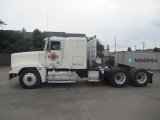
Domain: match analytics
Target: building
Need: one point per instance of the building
(146, 50)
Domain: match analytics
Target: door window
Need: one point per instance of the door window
(55, 45)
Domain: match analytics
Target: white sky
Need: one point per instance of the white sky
(131, 21)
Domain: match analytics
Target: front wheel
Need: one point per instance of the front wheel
(30, 78)
(119, 77)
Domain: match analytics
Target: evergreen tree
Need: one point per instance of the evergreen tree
(156, 49)
(2, 23)
(37, 40)
(129, 49)
(100, 49)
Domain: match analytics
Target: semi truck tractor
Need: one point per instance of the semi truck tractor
(65, 58)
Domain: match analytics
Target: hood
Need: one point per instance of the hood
(24, 57)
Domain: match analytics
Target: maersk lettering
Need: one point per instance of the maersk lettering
(146, 60)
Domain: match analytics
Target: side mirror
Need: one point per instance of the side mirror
(49, 46)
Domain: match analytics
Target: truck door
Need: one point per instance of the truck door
(53, 57)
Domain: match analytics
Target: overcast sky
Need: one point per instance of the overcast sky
(131, 21)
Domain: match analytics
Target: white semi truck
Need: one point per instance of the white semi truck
(65, 58)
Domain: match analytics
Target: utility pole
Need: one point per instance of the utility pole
(115, 43)
(143, 45)
(115, 53)
(135, 47)
(118, 54)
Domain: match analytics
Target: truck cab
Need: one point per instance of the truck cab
(60, 62)
(66, 53)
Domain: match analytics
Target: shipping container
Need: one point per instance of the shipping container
(146, 60)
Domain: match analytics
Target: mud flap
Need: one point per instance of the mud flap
(150, 77)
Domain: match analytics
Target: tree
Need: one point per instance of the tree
(8, 37)
(129, 49)
(37, 40)
(23, 30)
(12, 41)
(100, 54)
(100, 48)
(19, 46)
(2, 23)
(156, 49)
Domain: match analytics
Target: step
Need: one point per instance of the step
(93, 80)
(61, 81)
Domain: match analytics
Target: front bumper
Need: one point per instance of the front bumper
(12, 75)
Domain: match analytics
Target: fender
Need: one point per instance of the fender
(17, 68)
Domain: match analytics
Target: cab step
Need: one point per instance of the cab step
(93, 76)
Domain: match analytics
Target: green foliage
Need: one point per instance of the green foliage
(129, 49)
(156, 49)
(13, 41)
(100, 54)
(100, 48)
(18, 46)
(37, 40)
(2, 23)
(9, 38)
(23, 30)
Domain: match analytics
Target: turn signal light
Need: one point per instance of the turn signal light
(10, 69)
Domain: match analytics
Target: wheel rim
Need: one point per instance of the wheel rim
(120, 78)
(141, 77)
(29, 79)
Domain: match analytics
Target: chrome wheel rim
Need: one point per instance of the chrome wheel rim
(141, 77)
(120, 78)
(29, 79)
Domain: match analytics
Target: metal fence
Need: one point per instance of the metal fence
(5, 59)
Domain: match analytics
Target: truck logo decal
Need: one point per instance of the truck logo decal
(146, 60)
(53, 56)
(130, 60)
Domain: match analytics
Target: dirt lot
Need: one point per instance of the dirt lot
(78, 101)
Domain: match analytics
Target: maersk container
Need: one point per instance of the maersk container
(146, 60)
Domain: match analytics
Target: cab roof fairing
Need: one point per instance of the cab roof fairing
(62, 38)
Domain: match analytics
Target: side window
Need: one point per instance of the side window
(55, 45)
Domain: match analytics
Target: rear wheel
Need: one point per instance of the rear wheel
(119, 77)
(30, 79)
(130, 74)
(139, 77)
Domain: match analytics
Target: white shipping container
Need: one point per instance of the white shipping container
(146, 60)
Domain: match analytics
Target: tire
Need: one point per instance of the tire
(130, 74)
(30, 79)
(140, 77)
(119, 77)
(106, 76)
